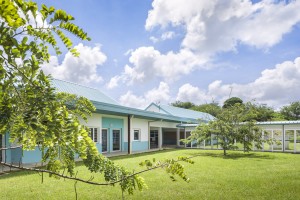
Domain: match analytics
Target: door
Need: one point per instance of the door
(104, 140)
(153, 139)
(116, 140)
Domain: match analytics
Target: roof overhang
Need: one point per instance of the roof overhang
(112, 109)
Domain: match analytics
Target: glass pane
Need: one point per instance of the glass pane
(153, 139)
(136, 135)
(181, 137)
(95, 135)
(277, 144)
(91, 133)
(297, 140)
(188, 134)
(116, 140)
(104, 140)
(289, 140)
(267, 137)
(214, 141)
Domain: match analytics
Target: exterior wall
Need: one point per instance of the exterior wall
(163, 124)
(142, 125)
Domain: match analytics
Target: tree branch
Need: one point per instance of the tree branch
(88, 181)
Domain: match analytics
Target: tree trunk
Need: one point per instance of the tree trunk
(224, 149)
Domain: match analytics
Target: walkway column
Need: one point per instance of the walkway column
(129, 134)
(160, 138)
(178, 137)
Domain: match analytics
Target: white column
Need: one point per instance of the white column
(160, 138)
(272, 139)
(295, 141)
(178, 137)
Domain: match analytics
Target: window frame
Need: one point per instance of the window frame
(107, 142)
(92, 135)
(120, 139)
(139, 136)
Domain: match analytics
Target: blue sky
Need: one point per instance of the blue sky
(200, 51)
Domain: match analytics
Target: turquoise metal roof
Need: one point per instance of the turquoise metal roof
(185, 113)
(80, 90)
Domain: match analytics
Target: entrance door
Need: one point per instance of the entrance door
(116, 140)
(153, 139)
(104, 140)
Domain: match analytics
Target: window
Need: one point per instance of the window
(94, 134)
(136, 134)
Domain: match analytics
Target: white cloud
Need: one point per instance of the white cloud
(147, 63)
(154, 39)
(209, 27)
(82, 69)
(114, 82)
(132, 100)
(160, 94)
(275, 87)
(190, 93)
(168, 35)
(218, 25)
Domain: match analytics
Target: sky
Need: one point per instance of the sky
(163, 51)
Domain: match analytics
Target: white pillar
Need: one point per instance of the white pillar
(178, 137)
(295, 141)
(272, 140)
(160, 138)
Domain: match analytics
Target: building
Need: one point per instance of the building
(119, 129)
(116, 128)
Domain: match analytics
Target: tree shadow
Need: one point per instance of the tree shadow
(234, 155)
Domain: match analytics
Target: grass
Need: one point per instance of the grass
(258, 175)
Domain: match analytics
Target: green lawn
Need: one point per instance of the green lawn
(237, 176)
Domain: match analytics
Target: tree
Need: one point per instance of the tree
(180, 104)
(232, 101)
(34, 114)
(232, 125)
(212, 108)
(292, 111)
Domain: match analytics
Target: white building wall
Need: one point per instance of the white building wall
(142, 125)
(163, 124)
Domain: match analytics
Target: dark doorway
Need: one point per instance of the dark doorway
(169, 136)
(153, 139)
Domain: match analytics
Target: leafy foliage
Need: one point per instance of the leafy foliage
(232, 125)
(180, 104)
(292, 111)
(211, 108)
(30, 109)
(232, 101)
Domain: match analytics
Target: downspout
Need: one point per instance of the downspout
(129, 135)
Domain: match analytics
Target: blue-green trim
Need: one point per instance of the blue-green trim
(34, 156)
(140, 145)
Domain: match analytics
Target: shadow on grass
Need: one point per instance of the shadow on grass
(143, 154)
(233, 155)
